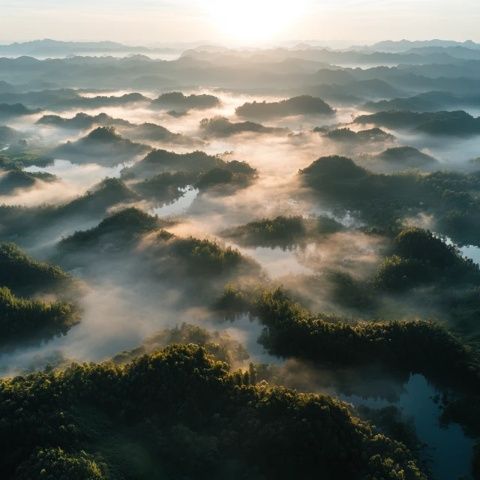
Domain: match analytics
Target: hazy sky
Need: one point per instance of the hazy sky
(245, 21)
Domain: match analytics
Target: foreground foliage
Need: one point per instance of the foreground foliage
(181, 414)
(403, 346)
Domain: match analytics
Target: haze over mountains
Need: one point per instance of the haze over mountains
(58, 48)
(263, 263)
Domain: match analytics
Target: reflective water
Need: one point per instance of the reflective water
(277, 262)
(178, 207)
(449, 450)
(472, 252)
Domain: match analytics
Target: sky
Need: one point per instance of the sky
(240, 22)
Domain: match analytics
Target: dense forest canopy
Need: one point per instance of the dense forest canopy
(271, 430)
(242, 263)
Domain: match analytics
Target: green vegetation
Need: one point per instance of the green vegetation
(448, 283)
(25, 321)
(55, 464)
(8, 135)
(82, 121)
(103, 146)
(283, 232)
(72, 99)
(150, 132)
(26, 276)
(198, 268)
(386, 200)
(143, 132)
(302, 105)
(232, 175)
(98, 200)
(391, 423)
(406, 157)
(125, 247)
(363, 136)
(217, 344)
(222, 127)
(115, 233)
(30, 225)
(420, 273)
(179, 102)
(12, 179)
(404, 346)
(350, 293)
(457, 123)
(419, 258)
(206, 257)
(162, 161)
(165, 187)
(21, 155)
(424, 102)
(181, 414)
(9, 111)
(168, 187)
(165, 174)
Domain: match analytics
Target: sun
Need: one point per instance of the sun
(254, 21)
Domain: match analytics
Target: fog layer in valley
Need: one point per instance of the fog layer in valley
(312, 224)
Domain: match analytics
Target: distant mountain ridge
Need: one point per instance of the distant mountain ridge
(48, 46)
(399, 46)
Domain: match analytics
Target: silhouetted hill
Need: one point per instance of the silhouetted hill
(283, 232)
(384, 200)
(179, 102)
(165, 187)
(48, 47)
(103, 146)
(26, 322)
(12, 179)
(151, 132)
(161, 161)
(30, 226)
(221, 127)
(8, 111)
(425, 102)
(457, 123)
(407, 157)
(114, 233)
(302, 105)
(363, 136)
(8, 135)
(26, 276)
(98, 200)
(405, 45)
(82, 121)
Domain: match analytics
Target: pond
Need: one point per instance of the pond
(449, 450)
(179, 206)
(472, 252)
(469, 251)
(277, 262)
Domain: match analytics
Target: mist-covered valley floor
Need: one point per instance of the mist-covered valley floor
(261, 264)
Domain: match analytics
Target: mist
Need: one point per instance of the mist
(251, 202)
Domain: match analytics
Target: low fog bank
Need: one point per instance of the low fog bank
(170, 191)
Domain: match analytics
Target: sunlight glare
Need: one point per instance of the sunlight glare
(253, 21)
